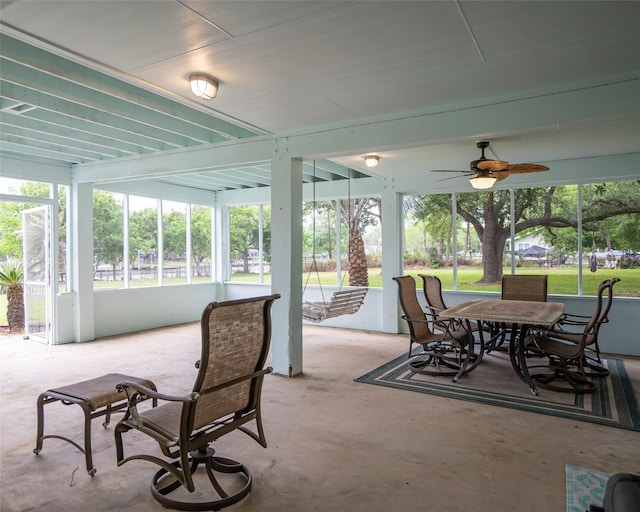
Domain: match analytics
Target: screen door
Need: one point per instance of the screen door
(37, 272)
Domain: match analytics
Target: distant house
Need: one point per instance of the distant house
(524, 241)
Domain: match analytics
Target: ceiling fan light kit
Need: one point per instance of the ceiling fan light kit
(482, 182)
(485, 172)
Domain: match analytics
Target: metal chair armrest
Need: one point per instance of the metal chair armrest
(137, 393)
(570, 319)
(133, 389)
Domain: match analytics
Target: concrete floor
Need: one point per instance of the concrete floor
(334, 444)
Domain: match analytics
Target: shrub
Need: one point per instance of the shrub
(11, 283)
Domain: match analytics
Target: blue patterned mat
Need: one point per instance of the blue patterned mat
(585, 487)
(614, 403)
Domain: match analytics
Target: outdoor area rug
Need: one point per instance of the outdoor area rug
(585, 487)
(494, 382)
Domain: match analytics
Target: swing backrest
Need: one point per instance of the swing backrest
(343, 302)
(346, 302)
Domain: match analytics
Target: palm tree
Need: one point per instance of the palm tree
(11, 283)
(358, 213)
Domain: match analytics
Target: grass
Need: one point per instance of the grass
(141, 283)
(562, 281)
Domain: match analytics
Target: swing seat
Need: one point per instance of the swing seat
(343, 302)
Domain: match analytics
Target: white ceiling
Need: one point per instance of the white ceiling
(300, 67)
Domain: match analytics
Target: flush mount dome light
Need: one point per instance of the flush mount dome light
(372, 161)
(203, 86)
(482, 182)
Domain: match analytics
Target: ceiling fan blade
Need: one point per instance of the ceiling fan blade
(525, 168)
(492, 165)
(453, 177)
(447, 170)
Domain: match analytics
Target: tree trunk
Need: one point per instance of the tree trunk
(358, 269)
(245, 262)
(15, 307)
(352, 211)
(491, 261)
(492, 245)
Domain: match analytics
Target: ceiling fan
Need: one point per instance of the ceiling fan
(486, 172)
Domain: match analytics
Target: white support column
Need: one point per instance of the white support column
(126, 264)
(286, 265)
(220, 234)
(82, 233)
(189, 250)
(261, 242)
(54, 269)
(392, 257)
(160, 258)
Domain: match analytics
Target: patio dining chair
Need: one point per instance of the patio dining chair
(524, 287)
(443, 352)
(571, 328)
(565, 350)
(529, 287)
(226, 395)
(432, 289)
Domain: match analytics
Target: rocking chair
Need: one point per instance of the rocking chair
(226, 395)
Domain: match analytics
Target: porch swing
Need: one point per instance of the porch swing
(342, 302)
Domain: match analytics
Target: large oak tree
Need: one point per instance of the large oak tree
(552, 208)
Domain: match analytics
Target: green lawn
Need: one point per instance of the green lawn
(142, 283)
(562, 281)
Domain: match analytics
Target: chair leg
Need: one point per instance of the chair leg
(595, 366)
(163, 484)
(497, 337)
(441, 360)
(575, 381)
